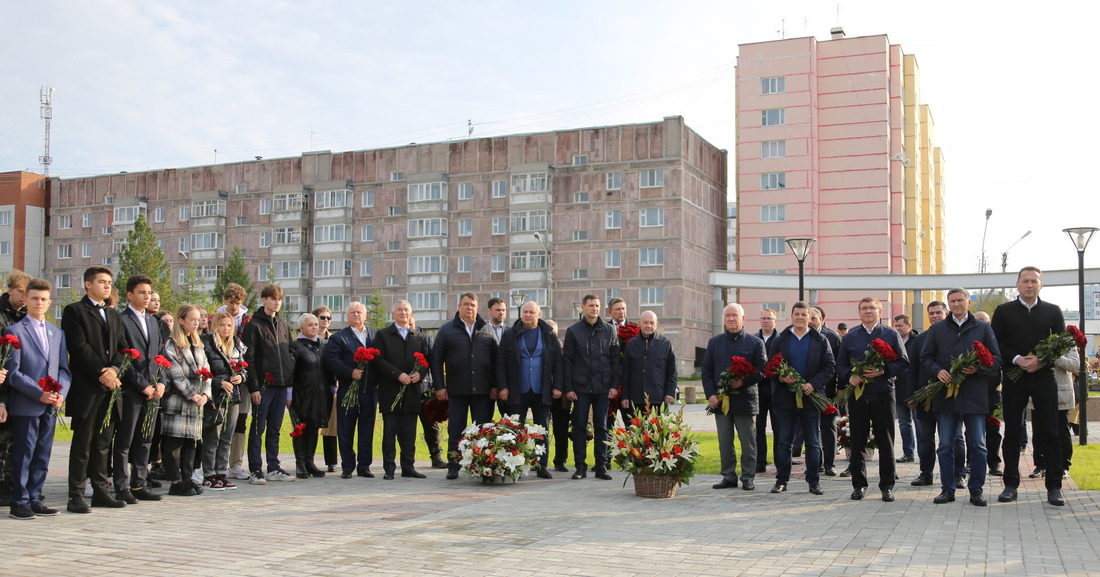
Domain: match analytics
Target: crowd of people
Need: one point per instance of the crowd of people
(198, 401)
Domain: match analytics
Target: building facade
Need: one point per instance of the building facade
(834, 144)
(22, 222)
(637, 211)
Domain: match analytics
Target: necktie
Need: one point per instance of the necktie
(43, 340)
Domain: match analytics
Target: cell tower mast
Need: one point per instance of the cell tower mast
(46, 97)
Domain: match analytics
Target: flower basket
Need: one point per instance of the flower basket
(500, 451)
(655, 486)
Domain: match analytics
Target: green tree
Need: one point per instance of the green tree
(191, 291)
(377, 316)
(142, 255)
(235, 271)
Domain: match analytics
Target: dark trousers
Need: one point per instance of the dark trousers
(540, 415)
(356, 454)
(597, 403)
(762, 432)
(1044, 396)
(32, 444)
(431, 436)
(178, 455)
(863, 418)
(131, 451)
(906, 430)
(788, 421)
(560, 418)
(6, 456)
(329, 444)
(828, 440)
(90, 450)
(993, 445)
(480, 410)
(1064, 439)
(268, 417)
(398, 428)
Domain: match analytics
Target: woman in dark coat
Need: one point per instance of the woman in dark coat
(308, 394)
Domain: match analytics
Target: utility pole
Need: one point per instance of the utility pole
(45, 96)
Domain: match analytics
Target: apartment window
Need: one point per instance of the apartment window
(500, 188)
(208, 272)
(529, 220)
(652, 178)
(581, 196)
(773, 245)
(534, 182)
(331, 233)
(5, 217)
(64, 251)
(466, 191)
(529, 260)
(650, 296)
(117, 245)
(392, 281)
(333, 302)
(107, 230)
(65, 221)
(580, 273)
(241, 221)
(613, 258)
(368, 198)
(420, 227)
(366, 268)
(265, 206)
(86, 250)
(427, 301)
(63, 281)
(580, 159)
(773, 149)
(331, 199)
(289, 235)
(580, 235)
(779, 307)
(265, 239)
(331, 267)
(5, 247)
(773, 85)
(773, 117)
(533, 294)
(613, 219)
(614, 181)
(465, 264)
(427, 264)
(242, 188)
(394, 211)
(498, 262)
(773, 181)
(500, 225)
(184, 244)
(366, 233)
(295, 304)
(650, 217)
(207, 240)
(466, 227)
(87, 221)
(107, 261)
(651, 256)
(427, 191)
(163, 244)
(773, 213)
(203, 208)
(289, 269)
(612, 293)
(393, 245)
(158, 214)
(395, 176)
(290, 202)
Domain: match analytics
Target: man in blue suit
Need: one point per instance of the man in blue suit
(33, 411)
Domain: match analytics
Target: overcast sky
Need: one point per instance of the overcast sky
(152, 84)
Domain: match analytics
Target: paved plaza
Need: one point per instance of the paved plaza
(432, 526)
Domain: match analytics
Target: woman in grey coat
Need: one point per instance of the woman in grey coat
(187, 392)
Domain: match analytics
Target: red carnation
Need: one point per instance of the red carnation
(238, 366)
(627, 332)
(49, 385)
(830, 409)
(1079, 337)
(740, 368)
(204, 373)
(420, 360)
(162, 361)
(269, 378)
(365, 355)
(134, 354)
(299, 430)
(13, 341)
(884, 350)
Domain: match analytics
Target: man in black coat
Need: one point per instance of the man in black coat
(648, 368)
(94, 337)
(1019, 325)
(463, 362)
(591, 381)
(359, 418)
(828, 422)
(766, 333)
(397, 369)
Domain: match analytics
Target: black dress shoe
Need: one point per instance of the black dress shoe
(346, 475)
(331, 468)
(542, 473)
(725, 484)
(748, 485)
(153, 484)
(1054, 497)
(107, 501)
(846, 472)
(22, 513)
(960, 482)
(996, 472)
(78, 505)
(1038, 472)
(452, 475)
(976, 498)
(126, 497)
(888, 495)
(602, 474)
(144, 494)
(388, 476)
(438, 463)
(815, 488)
(859, 494)
(829, 472)
(561, 468)
(921, 481)
(1008, 495)
(42, 510)
(580, 474)
(365, 473)
(779, 487)
(905, 459)
(945, 496)
(414, 474)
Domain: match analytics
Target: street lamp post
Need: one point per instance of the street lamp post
(1080, 237)
(518, 299)
(549, 273)
(801, 249)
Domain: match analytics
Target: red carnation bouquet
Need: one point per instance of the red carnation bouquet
(977, 356)
(1051, 348)
(419, 362)
(299, 427)
(8, 344)
(739, 369)
(433, 409)
(878, 354)
(128, 358)
(778, 368)
(152, 406)
(362, 356)
(49, 385)
(627, 332)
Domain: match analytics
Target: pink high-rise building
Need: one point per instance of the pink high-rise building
(833, 144)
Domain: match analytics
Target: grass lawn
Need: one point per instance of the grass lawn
(1085, 469)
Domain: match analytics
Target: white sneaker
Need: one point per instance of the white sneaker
(196, 476)
(279, 475)
(239, 473)
(257, 478)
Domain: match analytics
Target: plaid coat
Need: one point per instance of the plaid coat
(179, 415)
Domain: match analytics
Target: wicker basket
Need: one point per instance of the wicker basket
(655, 486)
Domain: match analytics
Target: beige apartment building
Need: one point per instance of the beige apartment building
(637, 211)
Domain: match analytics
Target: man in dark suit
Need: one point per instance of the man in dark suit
(397, 369)
(1019, 326)
(766, 333)
(94, 338)
(131, 449)
(828, 422)
(590, 378)
(33, 411)
(339, 358)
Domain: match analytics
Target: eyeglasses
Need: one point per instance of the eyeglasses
(325, 317)
(868, 308)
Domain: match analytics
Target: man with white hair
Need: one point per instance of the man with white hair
(340, 359)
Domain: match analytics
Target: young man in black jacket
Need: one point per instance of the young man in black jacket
(270, 370)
